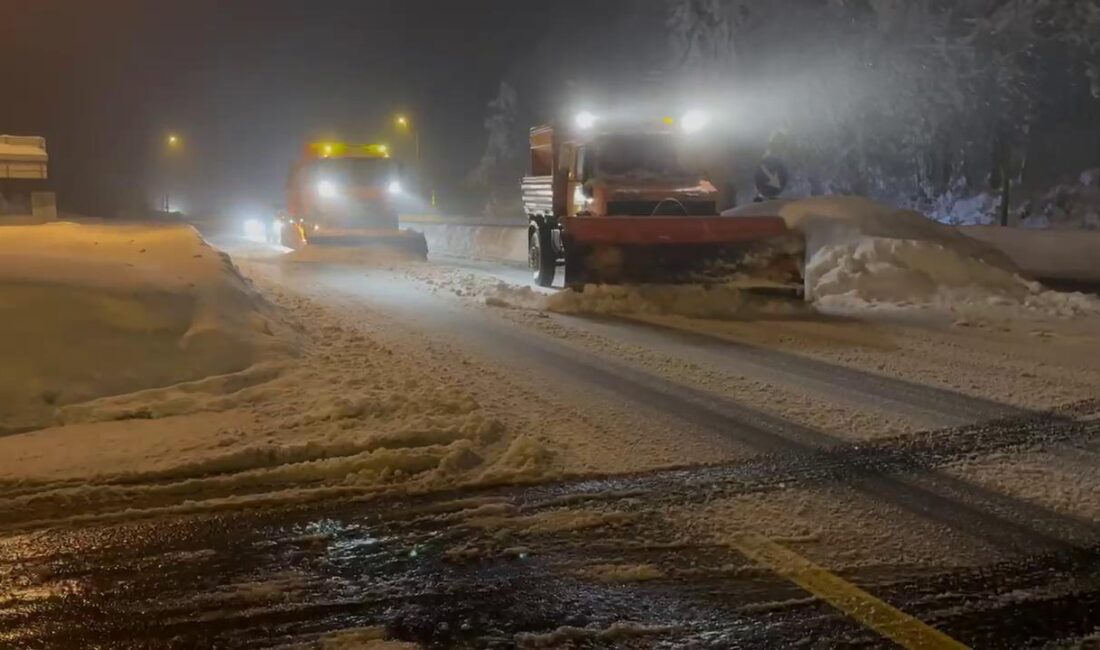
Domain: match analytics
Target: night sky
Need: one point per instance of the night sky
(246, 82)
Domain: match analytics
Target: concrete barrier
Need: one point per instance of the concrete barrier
(1045, 254)
(485, 239)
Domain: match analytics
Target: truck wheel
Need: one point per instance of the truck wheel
(541, 257)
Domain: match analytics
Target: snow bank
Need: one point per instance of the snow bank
(725, 301)
(1071, 205)
(695, 301)
(378, 255)
(354, 417)
(88, 311)
(862, 253)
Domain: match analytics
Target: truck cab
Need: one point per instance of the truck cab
(340, 189)
(631, 171)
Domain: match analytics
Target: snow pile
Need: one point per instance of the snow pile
(726, 301)
(862, 253)
(1070, 206)
(962, 209)
(374, 255)
(93, 310)
(723, 302)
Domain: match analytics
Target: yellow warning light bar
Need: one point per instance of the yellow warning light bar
(345, 150)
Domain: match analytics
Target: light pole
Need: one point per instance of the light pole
(404, 125)
(172, 146)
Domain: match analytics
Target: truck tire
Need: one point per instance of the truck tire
(541, 257)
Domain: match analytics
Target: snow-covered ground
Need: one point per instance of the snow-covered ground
(91, 311)
(418, 377)
(1073, 205)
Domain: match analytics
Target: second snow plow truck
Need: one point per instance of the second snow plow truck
(621, 204)
(341, 194)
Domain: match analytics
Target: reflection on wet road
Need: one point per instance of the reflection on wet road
(586, 563)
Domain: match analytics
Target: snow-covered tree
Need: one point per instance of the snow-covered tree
(702, 35)
(497, 169)
(907, 99)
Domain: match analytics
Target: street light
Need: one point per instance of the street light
(172, 146)
(403, 124)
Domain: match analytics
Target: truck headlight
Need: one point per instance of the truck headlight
(585, 120)
(327, 190)
(254, 230)
(394, 187)
(694, 121)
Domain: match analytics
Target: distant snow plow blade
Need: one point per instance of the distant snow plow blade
(406, 242)
(681, 250)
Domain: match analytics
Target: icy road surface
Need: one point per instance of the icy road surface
(634, 480)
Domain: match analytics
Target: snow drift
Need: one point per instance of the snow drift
(88, 311)
(860, 252)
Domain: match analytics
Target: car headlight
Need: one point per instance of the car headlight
(327, 190)
(394, 187)
(694, 121)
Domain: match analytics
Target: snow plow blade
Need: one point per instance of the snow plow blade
(682, 250)
(408, 242)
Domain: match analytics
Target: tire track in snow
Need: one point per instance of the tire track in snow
(931, 404)
(1008, 523)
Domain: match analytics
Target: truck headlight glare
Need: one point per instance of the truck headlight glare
(694, 121)
(394, 187)
(585, 120)
(254, 230)
(327, 190)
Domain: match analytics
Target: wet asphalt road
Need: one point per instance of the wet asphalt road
(411, 565)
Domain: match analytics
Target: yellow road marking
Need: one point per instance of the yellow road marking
(889, 621)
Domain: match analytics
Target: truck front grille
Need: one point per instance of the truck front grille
(645, 208)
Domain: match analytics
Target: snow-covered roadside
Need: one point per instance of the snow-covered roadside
(186, 389)
(864, 256)
(93, 310)
(354, 416)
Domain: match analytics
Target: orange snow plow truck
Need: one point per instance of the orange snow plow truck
(341, 194)
(624, 205)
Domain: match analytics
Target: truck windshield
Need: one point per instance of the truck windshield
(357, 171)
(652, 154)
